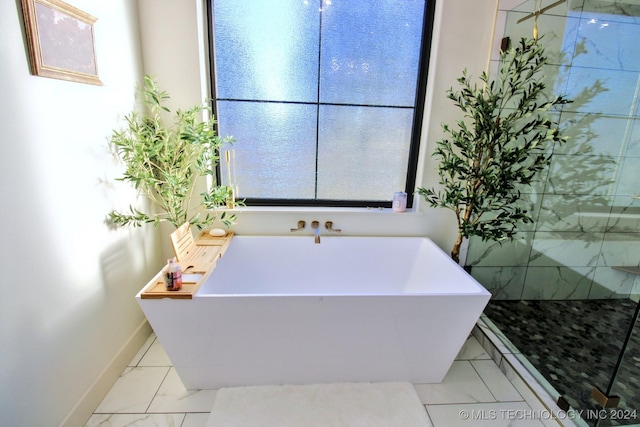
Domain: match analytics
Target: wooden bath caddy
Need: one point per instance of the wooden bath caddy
(196, 257)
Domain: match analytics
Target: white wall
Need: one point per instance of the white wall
(463, 36)
(171, 33)
(462, 39)
(69, 281)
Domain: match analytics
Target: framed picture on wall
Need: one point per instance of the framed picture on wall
(61, 41)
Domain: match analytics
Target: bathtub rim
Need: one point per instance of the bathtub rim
(480, 289)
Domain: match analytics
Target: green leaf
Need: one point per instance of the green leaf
(502, 141)
(165, 163)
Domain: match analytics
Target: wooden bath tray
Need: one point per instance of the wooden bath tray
(197, 259)
(157, 290)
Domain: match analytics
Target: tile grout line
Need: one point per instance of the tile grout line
(504, 360)
(484, 382)
(146, 411)
(137, 364)
(424, 405)
(489, 388)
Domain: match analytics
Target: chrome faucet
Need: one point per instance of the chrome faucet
(316, 231)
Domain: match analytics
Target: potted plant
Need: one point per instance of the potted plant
(504, 139)
(165, 163)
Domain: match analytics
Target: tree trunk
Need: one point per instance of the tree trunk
(455, 252)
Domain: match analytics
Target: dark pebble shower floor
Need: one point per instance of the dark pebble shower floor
(575, 345)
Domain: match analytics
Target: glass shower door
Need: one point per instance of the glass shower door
(558, 293)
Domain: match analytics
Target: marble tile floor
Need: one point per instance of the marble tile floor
(475, 392)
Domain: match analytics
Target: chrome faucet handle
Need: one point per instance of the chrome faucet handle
(301, 225)
(329, 226)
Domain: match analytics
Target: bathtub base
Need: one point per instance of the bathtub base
(238, 341)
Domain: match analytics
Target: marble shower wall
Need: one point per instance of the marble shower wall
(587, 218)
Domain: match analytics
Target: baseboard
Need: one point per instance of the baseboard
(81, 412)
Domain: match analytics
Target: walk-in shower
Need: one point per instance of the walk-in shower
(566, 290)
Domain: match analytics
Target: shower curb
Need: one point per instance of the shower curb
(534, 390)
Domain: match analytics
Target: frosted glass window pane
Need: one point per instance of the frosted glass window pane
(276, 149)
(320, 96)
(371, 52)
(362, 152)
(266, 50)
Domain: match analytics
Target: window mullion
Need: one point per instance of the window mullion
(315, 192)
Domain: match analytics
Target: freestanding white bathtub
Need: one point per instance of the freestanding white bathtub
(283, 310)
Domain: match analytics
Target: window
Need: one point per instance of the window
(324, 97)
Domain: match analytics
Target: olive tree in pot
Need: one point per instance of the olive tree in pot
(165, 163)
(504, 140)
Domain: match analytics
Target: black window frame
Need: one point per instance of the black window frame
(416, 131)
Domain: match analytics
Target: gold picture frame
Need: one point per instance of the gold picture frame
(61, 41)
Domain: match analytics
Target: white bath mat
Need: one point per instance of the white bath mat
(319, 405)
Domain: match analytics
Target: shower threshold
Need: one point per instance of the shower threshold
(519, 371)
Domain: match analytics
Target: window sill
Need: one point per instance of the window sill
(317, 210)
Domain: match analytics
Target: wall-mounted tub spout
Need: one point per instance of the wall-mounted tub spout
(301, 225)
(316, 231)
